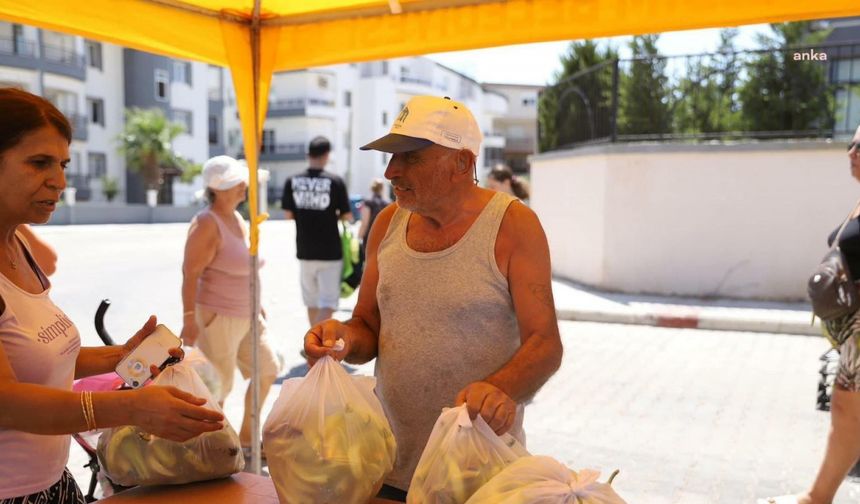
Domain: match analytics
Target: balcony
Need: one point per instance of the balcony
(416, 80)
(523, 145)
(294, 107)
(80, 126)
(23, 53)
(296, 151)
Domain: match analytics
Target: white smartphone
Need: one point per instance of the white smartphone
(134, 367)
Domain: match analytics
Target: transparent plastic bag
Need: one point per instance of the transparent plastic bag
(131, 457)
(544, 480)
(195, 358)
(327, 439)
(461, 455)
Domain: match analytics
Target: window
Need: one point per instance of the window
(65, 101)
(97, 164)
(96, 108)
(268, 144)
(161, 85)
(182, 72)
(322, 82)
(94, 54)
(185, 118)
(347, 99)
(384, 68)
(384, 159)
(213, 130)
(385, 118)
(529, 102)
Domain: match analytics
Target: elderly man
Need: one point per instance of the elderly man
(456, 302)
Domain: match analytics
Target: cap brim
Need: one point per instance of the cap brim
(393, 143)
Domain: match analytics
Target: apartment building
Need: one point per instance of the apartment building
(93, 83)
(519, 125)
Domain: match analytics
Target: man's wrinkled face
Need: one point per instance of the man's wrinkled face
(421, 178)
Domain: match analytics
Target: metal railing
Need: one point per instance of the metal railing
(18, 47)
(63, 55)
(704, 97)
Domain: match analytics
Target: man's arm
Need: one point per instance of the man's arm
(523, 256)
(361, 332)
(288, 205)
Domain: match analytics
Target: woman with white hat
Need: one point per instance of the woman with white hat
(216, 298)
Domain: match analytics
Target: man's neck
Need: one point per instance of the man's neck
(453, 208)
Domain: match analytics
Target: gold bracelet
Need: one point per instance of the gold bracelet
(92, 410)
(84, 409)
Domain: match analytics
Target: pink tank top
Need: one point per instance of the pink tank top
(42, 346)
(224, 286)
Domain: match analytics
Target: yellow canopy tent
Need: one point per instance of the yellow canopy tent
(255, 38)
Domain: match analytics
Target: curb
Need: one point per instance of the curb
(691, 319)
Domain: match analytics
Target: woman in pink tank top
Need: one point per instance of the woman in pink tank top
(216, 293)
(40, 352)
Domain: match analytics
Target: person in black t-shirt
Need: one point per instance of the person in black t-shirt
(316, 200)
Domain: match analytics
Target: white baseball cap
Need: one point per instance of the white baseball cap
(223, 172)
(427, 120)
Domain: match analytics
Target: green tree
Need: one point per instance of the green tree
(577, 106)
(705, 98)
(784, 94)
(147, 143)
(645, 92)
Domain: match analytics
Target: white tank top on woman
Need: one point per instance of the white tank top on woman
(42, 346)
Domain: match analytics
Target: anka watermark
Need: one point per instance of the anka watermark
(809, 55)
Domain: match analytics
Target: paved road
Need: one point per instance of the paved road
(689, 416)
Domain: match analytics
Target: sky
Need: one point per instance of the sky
(537, 63)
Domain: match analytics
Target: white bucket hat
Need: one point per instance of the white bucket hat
(427, 120)
(223, 172)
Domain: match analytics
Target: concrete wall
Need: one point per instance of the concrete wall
(121, 214)
(742, 221)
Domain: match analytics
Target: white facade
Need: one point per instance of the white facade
(737, 221)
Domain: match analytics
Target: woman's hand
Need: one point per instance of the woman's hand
(144, 332)
(190, 331)
(173, 414)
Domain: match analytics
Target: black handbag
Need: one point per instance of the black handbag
(831, 287)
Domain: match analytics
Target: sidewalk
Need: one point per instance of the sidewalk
(580, 303)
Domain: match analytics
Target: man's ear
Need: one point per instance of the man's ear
(465, 162)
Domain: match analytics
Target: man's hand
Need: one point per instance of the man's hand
(495, 406)
(320, 341)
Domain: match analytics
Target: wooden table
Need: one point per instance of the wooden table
(241, 488)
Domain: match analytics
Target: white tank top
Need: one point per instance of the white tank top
(42, 346)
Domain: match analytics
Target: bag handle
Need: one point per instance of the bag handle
(835, 243)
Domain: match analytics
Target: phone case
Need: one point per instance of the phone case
(134, 367)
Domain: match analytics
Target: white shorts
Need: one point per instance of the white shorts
(226, 342)
(320, 283)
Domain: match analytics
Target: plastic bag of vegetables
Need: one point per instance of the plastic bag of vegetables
(205, 369)
(327, 439)
(544, 480)
(130, 457)
(460, 456)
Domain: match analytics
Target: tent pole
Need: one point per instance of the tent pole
(256, 467)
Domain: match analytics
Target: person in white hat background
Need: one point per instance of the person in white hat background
(455, 302)
(216, 301)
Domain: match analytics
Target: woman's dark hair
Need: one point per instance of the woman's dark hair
(501, 173)
(23, 113)
(210, 195)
